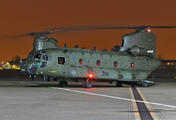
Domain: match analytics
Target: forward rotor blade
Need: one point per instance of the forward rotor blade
(67, 29)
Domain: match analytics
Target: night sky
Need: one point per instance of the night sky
(19, 17)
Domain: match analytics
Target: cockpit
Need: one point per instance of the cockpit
(41, 59)
(38, 55)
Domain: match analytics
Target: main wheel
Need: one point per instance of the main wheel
(145, 84)
(63, 84)
(87, 84)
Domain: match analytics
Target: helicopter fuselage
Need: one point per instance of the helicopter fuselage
(83, 63)
(130, 63)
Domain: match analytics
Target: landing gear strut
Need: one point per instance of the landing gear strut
(87, 84)
(63, 83)
(32, 77)
(46, 78)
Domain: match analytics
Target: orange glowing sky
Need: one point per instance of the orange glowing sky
(24, 16)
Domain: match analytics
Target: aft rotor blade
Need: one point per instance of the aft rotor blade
(68, 29)
(161, 26)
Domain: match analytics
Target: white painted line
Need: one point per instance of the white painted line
(119, 98)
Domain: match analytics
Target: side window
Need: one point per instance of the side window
(61, 60)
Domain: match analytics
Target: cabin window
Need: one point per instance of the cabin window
(43, 64)
(37, 56)
(98, 62)
(115, 64)
(80, 61)
(61, 60)
(132, 65)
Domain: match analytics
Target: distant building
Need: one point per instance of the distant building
(10, 65)
(167, 69)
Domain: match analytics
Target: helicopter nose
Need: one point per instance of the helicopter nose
(23, 65)
(33, 67)
(29, 66)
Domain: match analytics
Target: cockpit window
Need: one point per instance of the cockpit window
(37, 56)
(30, 55)
(45, 57)
(61, 60)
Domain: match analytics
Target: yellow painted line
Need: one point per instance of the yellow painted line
(154, 116)
(135, 108)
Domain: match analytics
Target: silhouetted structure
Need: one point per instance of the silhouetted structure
(167, 69)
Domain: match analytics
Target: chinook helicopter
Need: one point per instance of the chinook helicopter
(130, 63)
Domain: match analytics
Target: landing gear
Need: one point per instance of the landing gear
(119, 84)
(144, 83)
(63, 83)
(45, 78)
(87, 84)
(32, 77)
(48, 79)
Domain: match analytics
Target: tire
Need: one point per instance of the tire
(63, 84)
(88, 84)
(145, 84)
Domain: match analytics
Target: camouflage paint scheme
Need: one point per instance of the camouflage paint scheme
(132, 62)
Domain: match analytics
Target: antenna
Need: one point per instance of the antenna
(65, 45)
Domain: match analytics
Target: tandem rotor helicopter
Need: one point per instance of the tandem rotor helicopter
(130, 63)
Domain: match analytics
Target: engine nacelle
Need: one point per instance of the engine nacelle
(137, 51)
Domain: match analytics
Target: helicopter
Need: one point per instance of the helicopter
(130, 63)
